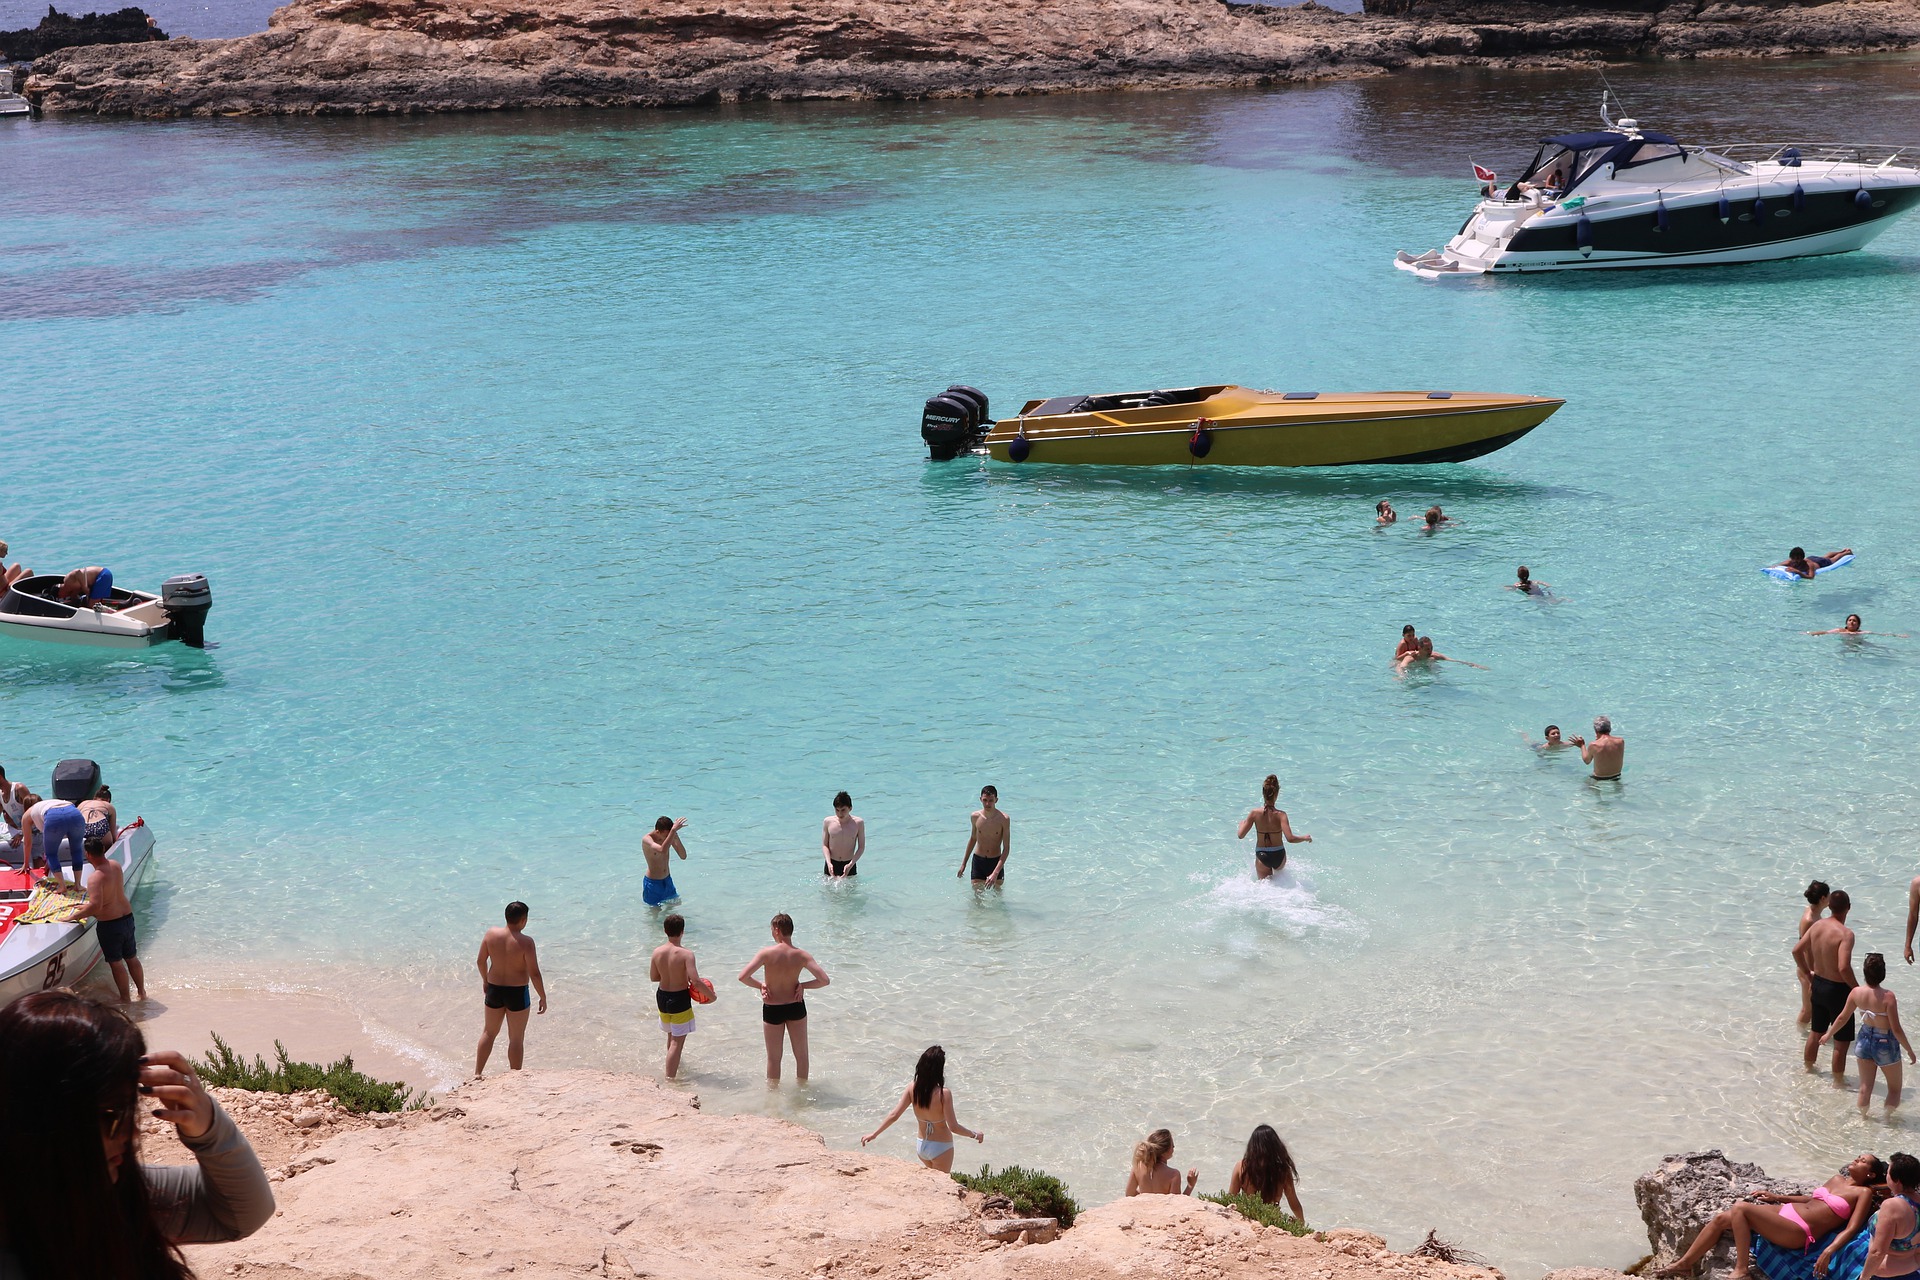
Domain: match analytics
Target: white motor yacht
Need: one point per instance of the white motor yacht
(1624, 196)
(12, 104)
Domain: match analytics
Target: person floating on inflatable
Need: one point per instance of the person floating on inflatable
(1801, 565)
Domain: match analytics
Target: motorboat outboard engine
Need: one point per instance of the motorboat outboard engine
(186, 598)
(75, 780)
(954, 421)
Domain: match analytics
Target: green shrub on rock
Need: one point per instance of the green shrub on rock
(355, 1090)
(1254, 1209)
(1034, 1194)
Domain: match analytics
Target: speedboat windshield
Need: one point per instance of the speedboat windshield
(1563, 163)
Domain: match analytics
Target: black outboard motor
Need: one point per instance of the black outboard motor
(75, 780)
(954, 421)
(186, 598)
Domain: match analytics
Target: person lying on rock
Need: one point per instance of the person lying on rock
(1792, 1222)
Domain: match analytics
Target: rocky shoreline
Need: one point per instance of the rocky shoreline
(358, 57)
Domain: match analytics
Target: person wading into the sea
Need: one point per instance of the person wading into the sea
(989, 841)
(783, 1007)
(1270, 848)
(655, 846)
(843, 838)
(1607, 753)
(508, 963)
(1825, 954)
(674, 969)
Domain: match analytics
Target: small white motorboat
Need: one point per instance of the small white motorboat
(34, 957)
(12, 104)
(32, 609)
(1624, 196)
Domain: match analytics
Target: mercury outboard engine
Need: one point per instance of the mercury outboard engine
(186, 598)
(954, 421)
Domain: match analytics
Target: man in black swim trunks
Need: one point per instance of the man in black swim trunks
(1825, 954)
(783, 1007)
(508, 963)
(107, 903)
(989, 842)
(843, 838)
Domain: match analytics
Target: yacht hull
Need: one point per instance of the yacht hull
(1365, 429)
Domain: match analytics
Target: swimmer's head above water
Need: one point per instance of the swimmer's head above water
(1525, 575)
(1853, 622)
(1553, 735)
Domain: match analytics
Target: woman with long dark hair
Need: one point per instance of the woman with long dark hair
(1267, 1171)
(932, 1104)
(72, 1074)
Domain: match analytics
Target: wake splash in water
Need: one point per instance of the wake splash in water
(1285, 901)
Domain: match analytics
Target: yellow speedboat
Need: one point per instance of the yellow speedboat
(1231, 426)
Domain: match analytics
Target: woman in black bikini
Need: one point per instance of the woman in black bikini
(1270, 849)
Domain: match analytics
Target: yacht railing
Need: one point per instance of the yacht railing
(1874, 155)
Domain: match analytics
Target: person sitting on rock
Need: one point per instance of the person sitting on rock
(1153, 1173)
(1792, 1222)
(1267, 1171)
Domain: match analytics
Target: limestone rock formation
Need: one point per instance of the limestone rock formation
(586, 1173)
(390, 56)
(1678, 1197)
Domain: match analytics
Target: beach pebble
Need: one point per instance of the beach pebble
(308, 1119)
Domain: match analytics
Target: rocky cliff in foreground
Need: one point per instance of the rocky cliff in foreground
(593, 1174)
(390, 56)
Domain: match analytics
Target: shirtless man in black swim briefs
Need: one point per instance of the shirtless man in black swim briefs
(989, 842)
(1825, 954)
(508, 963)
(783, 1005)
(1270, 849)
(843, 838)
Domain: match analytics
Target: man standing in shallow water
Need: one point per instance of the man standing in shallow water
(655, 846)
(674, 969)
(843, 838)
(1825, 954)
(989, 842)
(783, 1005)
(507, 964)
(1607, 753)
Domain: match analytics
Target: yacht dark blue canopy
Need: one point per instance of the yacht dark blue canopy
(1602, 138)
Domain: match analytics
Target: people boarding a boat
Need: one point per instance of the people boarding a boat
(48, 829)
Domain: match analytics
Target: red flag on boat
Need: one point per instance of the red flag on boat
(1484, 175)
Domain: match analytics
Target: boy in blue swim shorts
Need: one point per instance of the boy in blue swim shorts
(658, 846)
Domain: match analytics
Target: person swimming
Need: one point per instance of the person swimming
(1270, 849)
(1435, 518)
(1852, 628)
(1525, 585)
(1409, 643)
(1383, 512)
(1425, 653)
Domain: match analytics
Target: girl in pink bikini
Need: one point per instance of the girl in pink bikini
(1792, 1222)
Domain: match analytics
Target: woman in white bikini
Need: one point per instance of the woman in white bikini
(932, 1104)
(1270, 849)
(1881, 1035)
(1792, 1222)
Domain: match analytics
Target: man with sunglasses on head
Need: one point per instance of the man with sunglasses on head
(989, 842)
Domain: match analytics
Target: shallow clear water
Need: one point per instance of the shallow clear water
(558, 471)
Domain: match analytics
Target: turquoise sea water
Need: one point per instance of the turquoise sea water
(554, 472)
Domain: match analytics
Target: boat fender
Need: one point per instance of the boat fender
(1583, 234)
(1799, 197)
(1018, 448)
(1726, 209)
(1660, 220)
(1861, 199)
(1790, 158)
(1200, 443)
(1759, 210)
